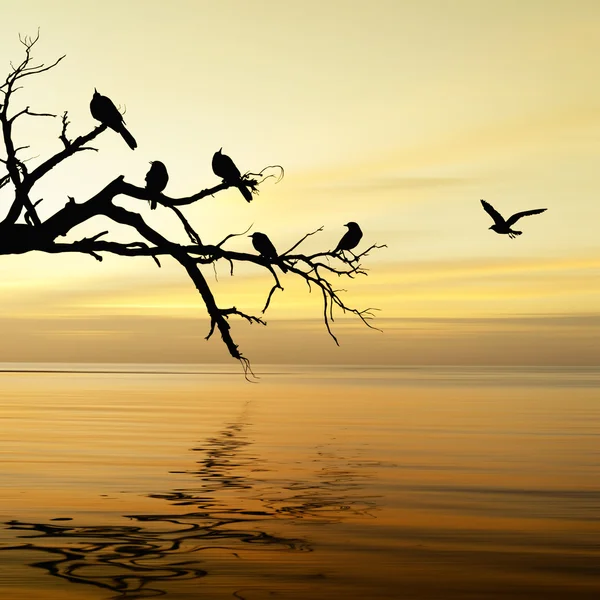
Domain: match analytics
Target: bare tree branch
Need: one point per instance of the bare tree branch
(194, 237)
(34, 235)
(298, 243)
(232, 235)
(26, 111)
(76, 146)
(14, 168)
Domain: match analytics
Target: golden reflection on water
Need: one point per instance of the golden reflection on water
(353, 484)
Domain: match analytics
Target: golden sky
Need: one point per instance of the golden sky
(398, 115)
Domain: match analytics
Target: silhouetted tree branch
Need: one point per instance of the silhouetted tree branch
(17, 237)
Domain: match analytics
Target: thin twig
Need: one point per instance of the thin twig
(299, 242)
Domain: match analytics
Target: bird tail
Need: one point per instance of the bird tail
(518, 232)
(245, 192)
(129, 139)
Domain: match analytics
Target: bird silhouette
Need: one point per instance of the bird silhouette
(504, 226)
(156, 179)
(264, 246)
(350, 239)
(103, 110)
(225, 168)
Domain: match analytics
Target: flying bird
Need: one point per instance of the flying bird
(504, 226)
(350, 239)
(225, 168)
(264, 246)
(103, 110)
(156, 179)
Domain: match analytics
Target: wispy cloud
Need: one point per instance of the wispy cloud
(389, 184)
(553, 340)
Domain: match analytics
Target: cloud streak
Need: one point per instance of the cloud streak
(390, 184)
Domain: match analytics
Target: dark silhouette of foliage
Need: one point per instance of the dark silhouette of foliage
(22, 230)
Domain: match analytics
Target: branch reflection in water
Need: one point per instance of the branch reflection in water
(138, 561)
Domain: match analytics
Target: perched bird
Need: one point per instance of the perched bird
(264, 246)
(225, 168)
(156, 179)
(103, 110)
(351, 238)
(502, 226)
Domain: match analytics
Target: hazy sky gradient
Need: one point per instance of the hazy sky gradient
(398, 115)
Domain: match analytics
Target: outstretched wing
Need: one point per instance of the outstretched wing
(525, 213)
(490, 210)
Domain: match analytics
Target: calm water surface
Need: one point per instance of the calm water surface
(314, 484)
